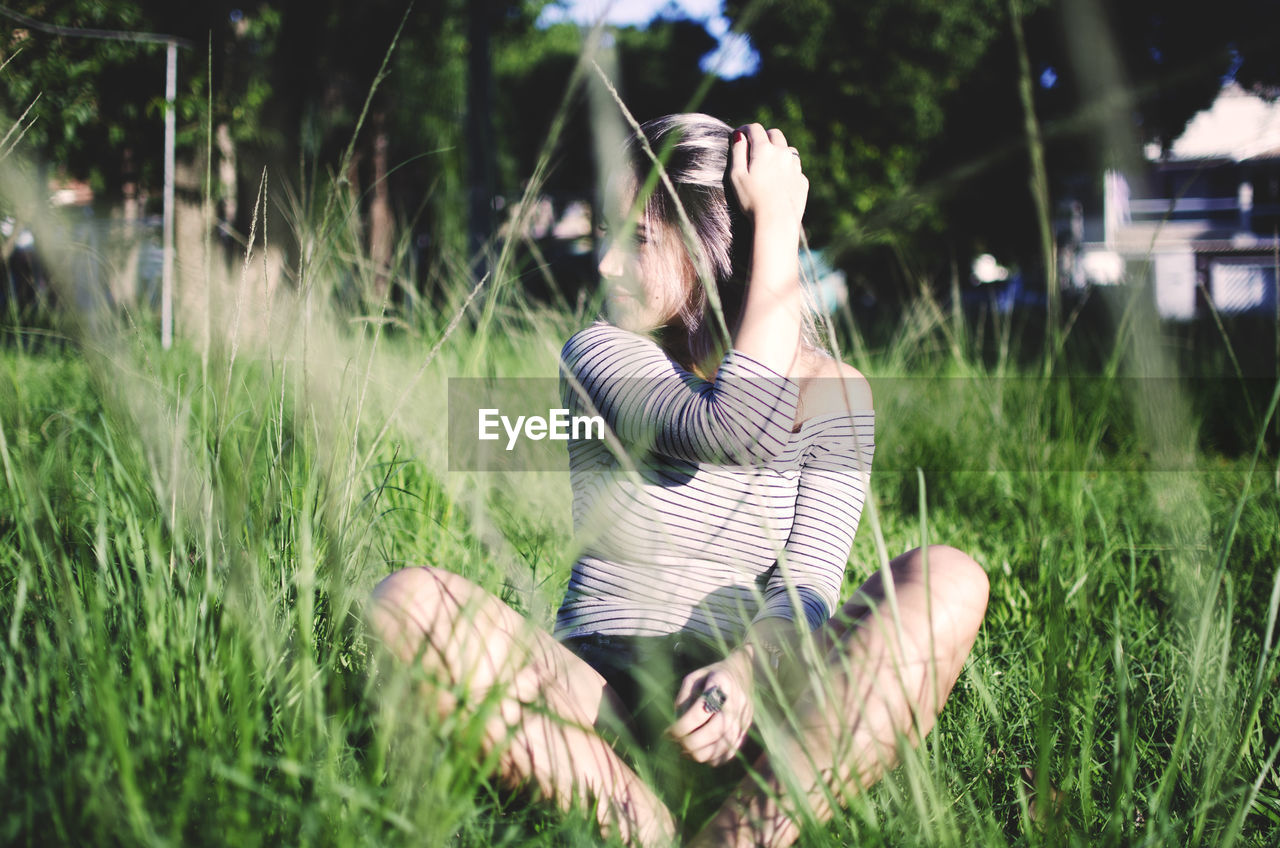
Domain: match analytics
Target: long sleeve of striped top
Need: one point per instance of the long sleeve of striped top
(834, 476)
(649, 401)
(735, 514)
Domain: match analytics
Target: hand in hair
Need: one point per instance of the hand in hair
(772, 190)
(767, 176)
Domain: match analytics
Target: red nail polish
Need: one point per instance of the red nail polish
(737, 134)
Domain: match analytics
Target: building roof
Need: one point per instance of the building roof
(1239, 125)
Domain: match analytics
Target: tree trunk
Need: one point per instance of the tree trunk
(226, 178)
(132, 208)
(480, 133)
(381, 222)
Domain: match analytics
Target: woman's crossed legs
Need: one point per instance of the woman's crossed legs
(885, 676)
(882, 677)
(544, 701)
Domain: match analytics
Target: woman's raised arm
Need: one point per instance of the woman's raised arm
(772, 190)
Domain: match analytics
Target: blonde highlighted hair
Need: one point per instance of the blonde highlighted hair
(694, 152)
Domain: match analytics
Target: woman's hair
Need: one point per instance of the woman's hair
(694, 152)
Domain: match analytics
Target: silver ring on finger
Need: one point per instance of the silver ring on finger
(713, 700)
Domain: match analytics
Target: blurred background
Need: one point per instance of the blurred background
(1013, 154)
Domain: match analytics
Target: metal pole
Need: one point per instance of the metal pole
(166, 283)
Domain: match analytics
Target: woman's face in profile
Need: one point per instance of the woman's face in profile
(645, 272)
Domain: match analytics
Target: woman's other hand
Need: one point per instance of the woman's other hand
(766, 174)
(715, 710)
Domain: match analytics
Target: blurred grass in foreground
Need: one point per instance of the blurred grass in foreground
(187, 540)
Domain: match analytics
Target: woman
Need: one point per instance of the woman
(715, 525)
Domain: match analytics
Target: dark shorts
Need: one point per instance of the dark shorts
(644, 673)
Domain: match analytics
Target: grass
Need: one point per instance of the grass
(187, 539)
(185, 555)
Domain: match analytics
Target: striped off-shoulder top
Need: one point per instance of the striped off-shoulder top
(704, 508)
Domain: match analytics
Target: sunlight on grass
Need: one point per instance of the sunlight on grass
(189, 540)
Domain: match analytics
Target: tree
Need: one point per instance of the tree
(860, 88)
(909, 109)
(90, 96)
(1108, 79)
(657, 74)
(409, 155)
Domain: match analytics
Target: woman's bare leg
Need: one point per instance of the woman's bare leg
(885, 679)
(541, 716)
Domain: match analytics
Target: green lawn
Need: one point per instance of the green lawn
(186, 539)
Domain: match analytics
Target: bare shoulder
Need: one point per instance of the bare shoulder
(829, 387)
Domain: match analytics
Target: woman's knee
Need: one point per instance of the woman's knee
(960, 574)
(416, 586)
(953, 579)
(450, 626)
(410, 605)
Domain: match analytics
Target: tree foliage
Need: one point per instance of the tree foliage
(861, 88)
(906, 110)
(657, 73)
(909, 112)
(90, 96)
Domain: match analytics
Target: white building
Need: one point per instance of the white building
(1206, 215)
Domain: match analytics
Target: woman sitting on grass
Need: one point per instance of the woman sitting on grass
(715, 523)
